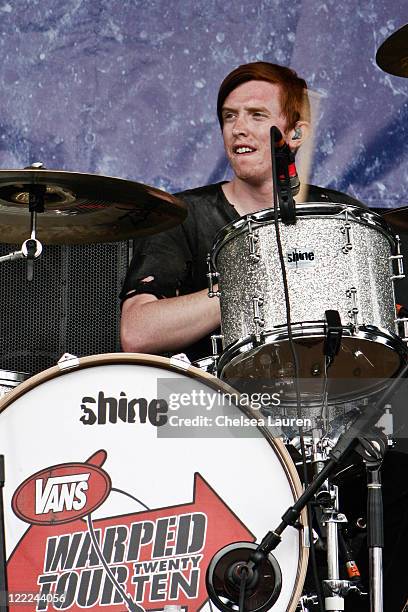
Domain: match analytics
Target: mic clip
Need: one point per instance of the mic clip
(334, 333)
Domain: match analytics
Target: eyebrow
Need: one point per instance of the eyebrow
(228, 109)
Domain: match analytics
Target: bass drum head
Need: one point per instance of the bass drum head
(108, 477)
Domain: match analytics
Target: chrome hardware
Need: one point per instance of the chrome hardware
(217, 344)
(212, 278)
(345, 230)
(404, 322)
(400, 263)
(68, 361)
(353, 311)
(253, 239)
(257, 302)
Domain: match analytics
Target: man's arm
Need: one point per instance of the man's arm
(150, 325)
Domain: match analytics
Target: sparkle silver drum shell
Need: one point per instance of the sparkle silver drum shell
(338, 257)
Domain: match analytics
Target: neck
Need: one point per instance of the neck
(247, 198)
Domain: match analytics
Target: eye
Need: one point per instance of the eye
(259, 115)
(227, 116)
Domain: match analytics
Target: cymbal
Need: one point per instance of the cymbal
(83, 208)
(397, 218)
(392, 56)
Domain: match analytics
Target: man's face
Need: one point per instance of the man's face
(248, 114)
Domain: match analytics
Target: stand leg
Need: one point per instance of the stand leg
(3, 564)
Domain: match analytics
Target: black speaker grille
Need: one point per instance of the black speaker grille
(71, 305)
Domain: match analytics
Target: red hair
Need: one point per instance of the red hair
(293, 90)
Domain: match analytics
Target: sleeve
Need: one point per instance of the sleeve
(167, 258)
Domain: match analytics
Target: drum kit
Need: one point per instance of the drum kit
(337, 352)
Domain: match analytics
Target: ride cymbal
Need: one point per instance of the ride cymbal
(392, 56)
(82, 208)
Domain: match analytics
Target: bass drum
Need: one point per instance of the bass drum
(136, 469)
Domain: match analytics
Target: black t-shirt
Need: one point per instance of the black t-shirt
(177, 258)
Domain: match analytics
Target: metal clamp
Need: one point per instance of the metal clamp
(212, 278)
(68, 361)
(399, 258)
(253, 239)
(345, 230)
(353, 311)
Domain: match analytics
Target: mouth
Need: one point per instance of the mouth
(243, 150)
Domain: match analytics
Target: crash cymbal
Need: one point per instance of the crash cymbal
(397, 218)
(83, 208)
(392, 56)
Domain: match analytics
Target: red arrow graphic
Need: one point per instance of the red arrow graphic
(159, 556)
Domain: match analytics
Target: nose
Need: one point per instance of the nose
(240, 126)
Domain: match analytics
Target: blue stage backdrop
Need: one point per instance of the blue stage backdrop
(128, 87)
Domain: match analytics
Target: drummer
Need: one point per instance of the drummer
(166, 308)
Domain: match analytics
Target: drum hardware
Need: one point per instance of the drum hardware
(212, 278)
(307, 603)
(345, 230)
(350, 439)
(372, 451)
(68, 361)
(253, 241)
(392, 56)
(10, 380)
(77, 208)
(257, 303)
(353, 311)
(404, 322)
(399, 258)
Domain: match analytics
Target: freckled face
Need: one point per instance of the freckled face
(248, 114)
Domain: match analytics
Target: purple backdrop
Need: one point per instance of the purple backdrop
(128, 87)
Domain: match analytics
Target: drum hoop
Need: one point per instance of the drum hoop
(383, 337)
(175, 364)
(305, 329)
(310, 210)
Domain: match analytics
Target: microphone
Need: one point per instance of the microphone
(233, 578)
(285, 163)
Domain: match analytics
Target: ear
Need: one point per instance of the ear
(297, 136)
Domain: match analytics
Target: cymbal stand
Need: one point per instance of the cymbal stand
(31, 248)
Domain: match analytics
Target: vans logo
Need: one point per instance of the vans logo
(62, 493)
(300, 258)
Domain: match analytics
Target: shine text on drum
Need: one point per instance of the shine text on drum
(111, 410)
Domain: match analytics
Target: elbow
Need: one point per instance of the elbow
(134, 341)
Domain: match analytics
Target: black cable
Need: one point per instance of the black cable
(295, 363)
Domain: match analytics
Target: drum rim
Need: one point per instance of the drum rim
(384, 337)
(308, 210)
(165, 363)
